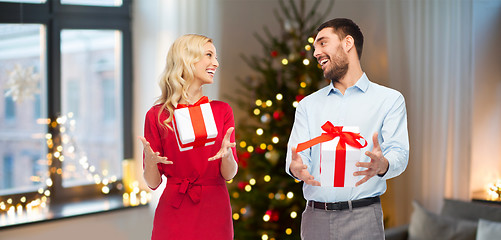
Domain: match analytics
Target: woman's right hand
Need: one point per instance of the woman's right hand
(150, 157)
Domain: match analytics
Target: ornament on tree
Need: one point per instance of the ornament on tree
(22, 83)
(299, 97)
(277, 115)
(242, 185)
(274, 53)
(272, 156)
(265, 118)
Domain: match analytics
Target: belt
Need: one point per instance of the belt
(338, 206)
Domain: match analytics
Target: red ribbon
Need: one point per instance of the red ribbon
(202, 100)
(198, 126)
(332, 132)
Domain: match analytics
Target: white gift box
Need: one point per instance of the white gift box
(194, 126)
(343, 176)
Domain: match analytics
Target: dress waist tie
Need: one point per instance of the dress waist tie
(191, 187)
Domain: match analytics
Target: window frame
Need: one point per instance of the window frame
(56, 17)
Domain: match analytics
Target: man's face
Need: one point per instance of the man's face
(330, 54)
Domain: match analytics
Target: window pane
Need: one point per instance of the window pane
(23, 101)
(24, 1)
(91, 105)
(102, 3)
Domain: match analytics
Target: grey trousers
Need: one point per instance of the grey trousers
(364, 223)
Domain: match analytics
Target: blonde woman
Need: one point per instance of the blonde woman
(195, 203)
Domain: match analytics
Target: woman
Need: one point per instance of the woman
(195, 203)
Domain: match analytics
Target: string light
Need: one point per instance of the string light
(259, 102)
(236, 216)
(293, 214)
(243, 144)
(311, 39)
(275, 139)
(252, 181)
(269, 103)
(290, 195)
(267, 178)
(294, 104)
(259, 131)
(250, 149)
(257, 111)
(307, 47)
(285, 61)
(288, 231)
(302, 84)
(279, 96)
(306, 62)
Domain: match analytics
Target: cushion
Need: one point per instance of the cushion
(425, 225)
(488, 230)
(471, 210)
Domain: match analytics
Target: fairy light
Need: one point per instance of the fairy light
(293, 214)
(267, 178)
(250, 149)
(236, 216)
(279, 96)
(275, 139)
(285, 61)
(311, 39)
(248, 188)
(262, 146)
(264, 237)
(252, 181)
(259, 102)
(269, 103)
(302, 84)
(307, 47)
(243, 211)
(243, 144)
(257, 111)
(294, 104)
(259, 131)
(266, 218)
(306, 62)
(290, 195)
(288, 231)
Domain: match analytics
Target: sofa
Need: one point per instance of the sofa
(458, 220)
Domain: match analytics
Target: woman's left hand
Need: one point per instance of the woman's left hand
(226, 146)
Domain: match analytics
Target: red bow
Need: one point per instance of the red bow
(202, 100)
(332, 132)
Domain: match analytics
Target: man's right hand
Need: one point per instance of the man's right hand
(300, 170)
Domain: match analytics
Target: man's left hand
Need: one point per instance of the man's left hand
(378, 164)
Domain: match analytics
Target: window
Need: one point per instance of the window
(65, 100)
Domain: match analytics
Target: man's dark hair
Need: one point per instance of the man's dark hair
(344, 27)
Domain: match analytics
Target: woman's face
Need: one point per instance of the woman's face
(206, 67)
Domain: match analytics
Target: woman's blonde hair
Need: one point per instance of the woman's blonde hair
(179, 72)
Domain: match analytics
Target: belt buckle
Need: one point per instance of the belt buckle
(325, 207)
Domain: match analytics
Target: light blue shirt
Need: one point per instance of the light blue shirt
(371, 107)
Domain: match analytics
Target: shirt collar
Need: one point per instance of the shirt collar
(362, 84)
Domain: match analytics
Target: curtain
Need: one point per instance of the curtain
(430, 56)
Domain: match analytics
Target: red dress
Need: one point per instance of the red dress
(195, 203)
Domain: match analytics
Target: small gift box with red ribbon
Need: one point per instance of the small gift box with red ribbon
(339, 152)
(194, 125)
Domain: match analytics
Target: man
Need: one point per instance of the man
(350, 100)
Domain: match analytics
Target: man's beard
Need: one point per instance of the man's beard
(339, 66)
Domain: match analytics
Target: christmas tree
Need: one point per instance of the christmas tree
(267, 202)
